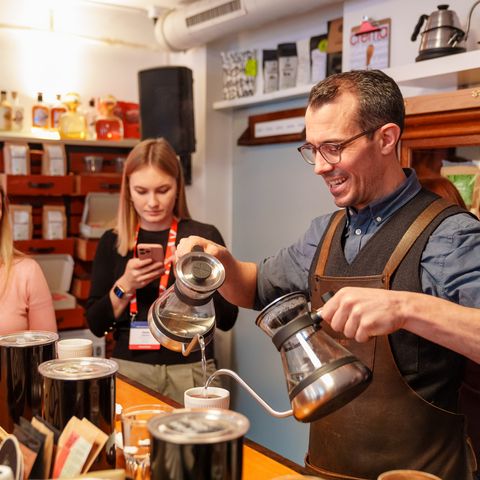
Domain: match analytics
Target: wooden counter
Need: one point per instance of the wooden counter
(259, 463)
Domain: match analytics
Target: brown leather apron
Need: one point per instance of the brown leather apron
(388, 426)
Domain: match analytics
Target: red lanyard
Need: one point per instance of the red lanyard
(172, 237)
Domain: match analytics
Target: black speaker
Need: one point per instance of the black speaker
(166, 109)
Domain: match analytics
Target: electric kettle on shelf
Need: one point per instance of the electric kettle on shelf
(443, 33)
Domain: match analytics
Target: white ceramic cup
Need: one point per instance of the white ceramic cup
(213, 397)
(74, 347)
(407, 475)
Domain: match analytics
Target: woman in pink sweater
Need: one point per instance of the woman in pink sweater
(25, 300)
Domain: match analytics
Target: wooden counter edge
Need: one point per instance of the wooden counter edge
(249, 443)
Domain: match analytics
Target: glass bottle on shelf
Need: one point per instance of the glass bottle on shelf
(108, 126)
(5, 112)
(56, 111)
(40, 114)
(91, 115)
(17, 113)
(72, 124)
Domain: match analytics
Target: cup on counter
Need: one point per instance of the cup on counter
(74, 347)
(93, 163)
(212, 397)
(136, 437)
(407, 475)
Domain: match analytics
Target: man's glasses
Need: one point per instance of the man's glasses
(331, 152)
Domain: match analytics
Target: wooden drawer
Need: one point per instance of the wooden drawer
(71, 318)
(37, 184)
(85, 248)
(98, 182)
(37, 246)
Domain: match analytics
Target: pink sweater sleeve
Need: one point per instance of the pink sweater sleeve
(41, 314)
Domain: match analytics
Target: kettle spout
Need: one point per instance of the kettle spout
(187, 349)
(235, 376)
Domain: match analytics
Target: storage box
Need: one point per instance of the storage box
(58, 270)
(99, 214)
(98, 343)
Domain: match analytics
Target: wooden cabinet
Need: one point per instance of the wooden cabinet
(442, 137)
(70, 190)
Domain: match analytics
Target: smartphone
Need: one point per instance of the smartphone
(150, 250)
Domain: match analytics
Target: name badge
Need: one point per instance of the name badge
(141, 337)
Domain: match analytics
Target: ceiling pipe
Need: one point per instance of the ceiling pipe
(203, 21)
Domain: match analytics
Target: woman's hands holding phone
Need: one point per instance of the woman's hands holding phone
(139, 273)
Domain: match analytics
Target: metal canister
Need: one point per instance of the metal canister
(20, 383)
(83, 387)
(205, 444)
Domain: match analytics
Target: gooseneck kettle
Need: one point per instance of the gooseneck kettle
(321, 375)
(183, 317)
(443, 34)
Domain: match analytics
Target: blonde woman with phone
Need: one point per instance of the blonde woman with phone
(132, 267)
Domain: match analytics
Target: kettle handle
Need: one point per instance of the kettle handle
(249, 389)
(467, 30)
(418, 26)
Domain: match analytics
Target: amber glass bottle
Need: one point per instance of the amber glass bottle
(108, 125)
(56, 111)
(5, 112)
(40, 114)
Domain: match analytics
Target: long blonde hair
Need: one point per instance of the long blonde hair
(157, 153)
(8, 253)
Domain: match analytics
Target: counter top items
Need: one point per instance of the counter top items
(82, 388)
(20, 382)
(136, 437)
(201, 444)
(202, 397)
(11, 458)
(258, 461)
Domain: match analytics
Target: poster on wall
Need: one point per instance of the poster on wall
(370, 45)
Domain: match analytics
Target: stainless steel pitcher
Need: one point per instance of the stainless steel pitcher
(321, 375)
(184, 315)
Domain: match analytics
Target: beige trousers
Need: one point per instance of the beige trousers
(169, 380)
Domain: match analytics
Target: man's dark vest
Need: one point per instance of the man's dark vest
(390, 425)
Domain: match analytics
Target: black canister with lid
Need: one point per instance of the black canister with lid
(83, 387)
(200, 444)
(20, 382)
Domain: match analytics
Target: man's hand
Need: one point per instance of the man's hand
(362, 313)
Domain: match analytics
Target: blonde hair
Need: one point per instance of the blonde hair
(157, 153)
(8, 253)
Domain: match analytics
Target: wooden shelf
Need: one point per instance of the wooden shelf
(451, 71)
(46, 136)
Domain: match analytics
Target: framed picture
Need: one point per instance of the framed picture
(370, 45)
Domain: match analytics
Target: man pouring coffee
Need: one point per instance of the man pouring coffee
(388, 234)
